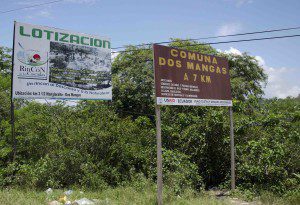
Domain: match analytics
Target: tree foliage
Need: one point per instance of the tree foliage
(96, 144)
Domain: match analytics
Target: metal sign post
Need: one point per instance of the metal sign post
(159, 156)
(12, 107)
(159, 148)
(185, 77)
(232, 150)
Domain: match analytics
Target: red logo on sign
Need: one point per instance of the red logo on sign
(170, 100)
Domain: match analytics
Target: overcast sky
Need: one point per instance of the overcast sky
(134, 22)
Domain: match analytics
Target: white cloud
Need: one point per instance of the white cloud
(228, 29)
(239, 3)
(31, 2)
(242, 2)
(279, 82)
(41, 11)
(45, 13)
(233, 51)
(114, 55)
(83, 1)
(279, 85)
(260, 60)
(26, 3)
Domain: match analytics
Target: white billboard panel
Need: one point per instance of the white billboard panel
(59, 64)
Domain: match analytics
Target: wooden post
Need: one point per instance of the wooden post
(159, 156)
(232, 150)
(12, 121)
(12, 107)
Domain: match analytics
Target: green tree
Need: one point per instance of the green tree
(199, 132)
(5, 83)
(134, 82)
(5, 60)
(96, 144)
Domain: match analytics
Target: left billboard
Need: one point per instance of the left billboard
(60, 64)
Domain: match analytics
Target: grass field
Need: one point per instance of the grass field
(119, 196)
(133, 196)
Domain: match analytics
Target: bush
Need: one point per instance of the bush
(179, 173)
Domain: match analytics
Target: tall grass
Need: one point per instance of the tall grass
(117, 196)
(134, 196)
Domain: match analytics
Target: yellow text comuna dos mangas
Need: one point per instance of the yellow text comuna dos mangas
(207, 63)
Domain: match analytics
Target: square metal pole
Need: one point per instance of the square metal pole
(12, 106)
(232, 150)
(159, 156)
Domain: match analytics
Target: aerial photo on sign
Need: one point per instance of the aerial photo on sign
(59, 64)
(190, 78)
